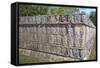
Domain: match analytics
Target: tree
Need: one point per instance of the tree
(24, 10)
(70, 10)
(93, 17)
(61, 10)
(31, 10)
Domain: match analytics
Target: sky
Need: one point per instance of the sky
(87, 10)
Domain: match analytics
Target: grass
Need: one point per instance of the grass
(23, 59)
(93, 52)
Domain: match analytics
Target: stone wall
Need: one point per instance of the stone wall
(70, 36)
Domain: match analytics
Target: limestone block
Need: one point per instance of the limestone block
(70, 36)
(63, 31)
(64, 41)
(58, 37)
(33, 20)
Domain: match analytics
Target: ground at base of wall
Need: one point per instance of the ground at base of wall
(23, 59)
(93, 52)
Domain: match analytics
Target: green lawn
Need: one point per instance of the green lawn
(93, 51)
(29, 59)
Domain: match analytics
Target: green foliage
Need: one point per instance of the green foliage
(93, 17)
(70, 10)
(56, 10)
(24, 10)
(53, 11)
(31, 10)
(61, 10)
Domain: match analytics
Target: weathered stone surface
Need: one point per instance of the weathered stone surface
(57, 19)
(56, 36)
